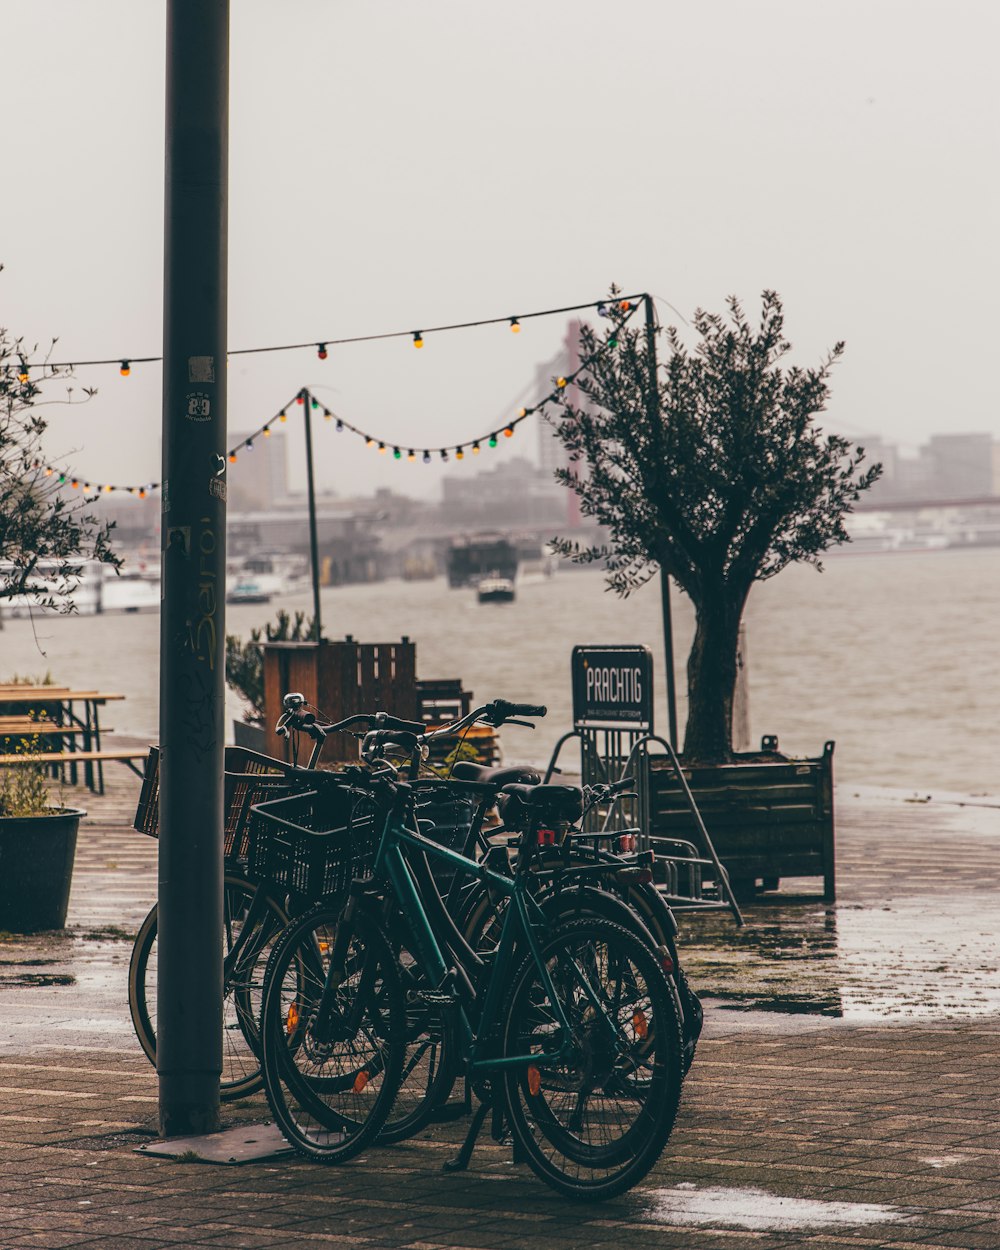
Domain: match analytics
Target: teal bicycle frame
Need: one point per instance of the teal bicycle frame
(391, 862)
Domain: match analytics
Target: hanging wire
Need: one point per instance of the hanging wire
(322, 345)
(491, 437)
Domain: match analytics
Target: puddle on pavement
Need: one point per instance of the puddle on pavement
(758, 1210)
(37, 978)
(919, 957)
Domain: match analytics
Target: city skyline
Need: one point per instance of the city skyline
(393, 168)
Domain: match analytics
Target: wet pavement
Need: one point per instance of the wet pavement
(845, 1092)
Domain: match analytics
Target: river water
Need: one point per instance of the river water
(894, 657)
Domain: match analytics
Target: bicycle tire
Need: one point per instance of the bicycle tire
(331, 1097)
(638, 908)
(591, 1126)
(241, 1074)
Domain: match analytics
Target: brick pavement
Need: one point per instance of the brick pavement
(874, 1128)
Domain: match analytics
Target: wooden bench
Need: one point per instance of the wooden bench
(60, 760)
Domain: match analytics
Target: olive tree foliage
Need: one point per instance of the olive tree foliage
(709, 467)
(41, 519)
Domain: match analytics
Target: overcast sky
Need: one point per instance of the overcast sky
(395, 165)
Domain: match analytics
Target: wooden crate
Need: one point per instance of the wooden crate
(340, 678)
(769, 816)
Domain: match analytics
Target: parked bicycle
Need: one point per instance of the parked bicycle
(569, 1031)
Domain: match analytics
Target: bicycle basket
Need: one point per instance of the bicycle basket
(249, 778)
(313, 843)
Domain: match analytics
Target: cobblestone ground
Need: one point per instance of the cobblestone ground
(865, 1117)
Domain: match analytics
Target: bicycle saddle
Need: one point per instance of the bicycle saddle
(552, 802)
(466, 770)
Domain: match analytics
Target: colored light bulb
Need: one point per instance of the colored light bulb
(396, 453)
(459, 454)
(475, 449)
(493, 440)
(515, 326)
(418, 339)
(126, 369)
(509, 432)
(560, 382)
(321, 351)
(427, 457)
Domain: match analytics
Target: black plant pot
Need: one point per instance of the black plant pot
(36, 869)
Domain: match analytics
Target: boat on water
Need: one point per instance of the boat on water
(495, 589)
(474, 557)
(248, 592)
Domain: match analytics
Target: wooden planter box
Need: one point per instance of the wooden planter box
(768, 816)
(340, 678)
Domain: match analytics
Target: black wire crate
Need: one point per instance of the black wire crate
(313, 843)
(249, 778)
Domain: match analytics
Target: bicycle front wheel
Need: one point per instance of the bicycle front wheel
(594, 1103)
(333, 1037)
(241, 1007)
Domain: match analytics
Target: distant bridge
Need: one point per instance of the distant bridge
(916, 505)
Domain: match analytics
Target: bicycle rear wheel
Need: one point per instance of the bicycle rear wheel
(593, 1109)
(241, 1073)
(332, 1069)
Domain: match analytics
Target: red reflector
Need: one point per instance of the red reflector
(546, 837)
(626, 842)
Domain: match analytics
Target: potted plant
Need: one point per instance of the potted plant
(37, 847)
(712, 470)
(245, 672)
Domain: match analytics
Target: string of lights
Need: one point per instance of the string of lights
(322, 346)
(399, 450)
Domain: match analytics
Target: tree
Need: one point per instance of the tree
(710, 469)
(44, 529)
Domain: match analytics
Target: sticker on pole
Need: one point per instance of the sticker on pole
(613, 688)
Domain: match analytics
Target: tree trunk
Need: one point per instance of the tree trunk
(711, 667)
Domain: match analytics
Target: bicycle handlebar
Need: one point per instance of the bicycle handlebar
(503, 710)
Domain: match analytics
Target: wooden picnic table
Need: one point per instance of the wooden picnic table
(80, 727)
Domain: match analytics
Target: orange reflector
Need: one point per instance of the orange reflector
(639, 1023)
(361, 1080)
(292, 1019)
(534, 1080)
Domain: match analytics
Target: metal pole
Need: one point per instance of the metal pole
(653, 407)
(313, 545)
(192, 622)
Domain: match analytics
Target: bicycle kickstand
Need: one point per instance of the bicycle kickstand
(461, 1161)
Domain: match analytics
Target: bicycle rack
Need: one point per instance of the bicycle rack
(683, 864)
